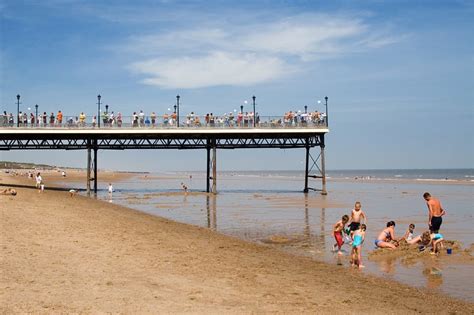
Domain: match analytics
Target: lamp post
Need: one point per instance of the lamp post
(327, 121)
(106, 109)
(98, 110)
(36, 113)
(306, 109)
(254, 115)
(18, 110)
(242, 109)
(177, 110)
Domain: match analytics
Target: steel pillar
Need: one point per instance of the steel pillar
(89, 164)
(214, 169)
(95, 167)
(306, 172)
(323, 167)
(208, 166)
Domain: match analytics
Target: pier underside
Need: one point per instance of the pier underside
(211, 141)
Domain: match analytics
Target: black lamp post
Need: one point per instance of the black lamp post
(98, 110)
(327, 121)
(254, 115)
(306, 109)
(106, 109)
(36, 113)
(241, 109)
(18, 110)
(177, 110)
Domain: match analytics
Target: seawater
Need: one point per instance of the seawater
(270, 208)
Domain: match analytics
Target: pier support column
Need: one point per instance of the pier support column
(95, 167)
(323, 167)
(208, 166)
(214, 169)
(306, 172)
(89, 164)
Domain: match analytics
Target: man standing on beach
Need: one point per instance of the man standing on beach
(435, 212)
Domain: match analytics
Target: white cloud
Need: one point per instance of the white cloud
(247, 54)
(217, 68)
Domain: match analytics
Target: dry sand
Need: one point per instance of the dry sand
(63, 254)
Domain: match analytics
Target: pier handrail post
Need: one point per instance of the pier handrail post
(98, 110)
(177, 110)
(254, 115)
(327, 115)
(18, 110)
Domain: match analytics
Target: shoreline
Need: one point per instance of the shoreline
(92, 256)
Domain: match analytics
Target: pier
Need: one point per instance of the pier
(266, 134)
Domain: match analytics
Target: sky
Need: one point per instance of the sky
(399, 75)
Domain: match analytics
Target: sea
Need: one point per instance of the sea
(269, 208)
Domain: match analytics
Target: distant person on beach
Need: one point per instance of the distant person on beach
(435, 212)
(356, 216)
(110, 189)
(338, 231)
(63, 174)
(185, 188)
(39, 181)
(8, 191)
(356, 256)
(385, 238)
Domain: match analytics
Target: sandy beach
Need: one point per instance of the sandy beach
(63, 254)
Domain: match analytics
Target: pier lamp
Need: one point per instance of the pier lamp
(177, 110)
(254, 115)
(241, 109)
(98, 110)
(106, 109)
(327, 121)
(18, 110)
(306, 109)
(36, 113)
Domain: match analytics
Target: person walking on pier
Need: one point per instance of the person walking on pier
(435, 212)
(59, 118)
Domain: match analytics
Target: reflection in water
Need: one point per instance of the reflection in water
(433, 274)
(388, 265)
(322, 234)
(307, 229)
(211, 211)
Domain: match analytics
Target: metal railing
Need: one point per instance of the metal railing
(310, 120)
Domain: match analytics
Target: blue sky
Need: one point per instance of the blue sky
(399, 74)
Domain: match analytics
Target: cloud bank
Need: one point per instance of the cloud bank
(239, 55)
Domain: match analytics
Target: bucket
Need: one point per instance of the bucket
(449, 251)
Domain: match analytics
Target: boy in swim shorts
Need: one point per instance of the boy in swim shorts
(338, 229)
(356, 255)
(356, 216)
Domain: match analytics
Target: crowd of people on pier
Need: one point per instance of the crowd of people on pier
(139, 119)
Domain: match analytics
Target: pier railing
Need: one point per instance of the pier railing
(170, 122)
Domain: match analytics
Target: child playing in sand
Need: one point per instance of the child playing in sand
(356, 215)
(337, 231)
(409, 233)
(356, 256)
(436, 241)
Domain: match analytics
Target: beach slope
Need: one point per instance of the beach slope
(75, 254)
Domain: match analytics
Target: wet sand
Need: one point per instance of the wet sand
(63, 254)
